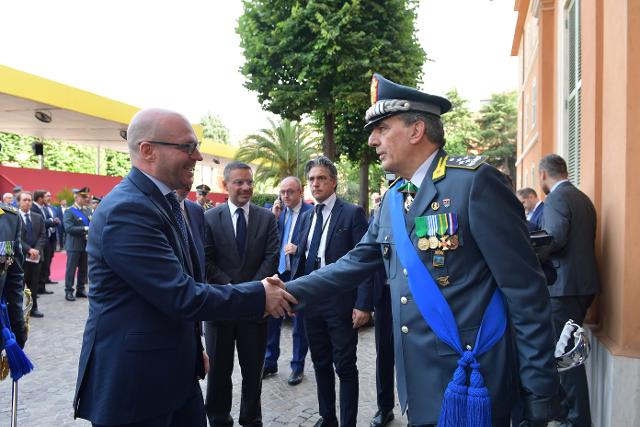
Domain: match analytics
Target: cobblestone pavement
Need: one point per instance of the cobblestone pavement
(45, 395)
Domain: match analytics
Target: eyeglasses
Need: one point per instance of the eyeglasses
(288, 192)
(241, 182)
(188, 148)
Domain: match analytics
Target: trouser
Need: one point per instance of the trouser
(76, 261)
(333, 343)
(191, 414)
(45, 269)
(384, 352)
(574, 381)
(221, 338)
(300, 344)
(32, 280)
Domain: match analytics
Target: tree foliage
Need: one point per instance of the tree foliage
(59, 156)
(461, 130)
(280, 151)
(214, 129)
(498, 130)
(318, 56)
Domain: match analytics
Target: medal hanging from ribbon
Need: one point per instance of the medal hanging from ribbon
(453, 223)
(442, 224)
(433, 228)
(421, 233)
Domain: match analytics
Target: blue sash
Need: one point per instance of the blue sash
(80, 215)
(462, 406)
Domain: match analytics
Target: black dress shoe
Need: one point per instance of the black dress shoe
(44, 292)
(381, 419)
(326, 423)
(51, 282)
(81, 294)
(69, 296)
(267, 372)
(295, 378)
(36, 313)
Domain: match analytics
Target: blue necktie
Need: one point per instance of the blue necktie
(288, 219)
(177, 213)
(310, 263)
(29, 228)
(241, 232)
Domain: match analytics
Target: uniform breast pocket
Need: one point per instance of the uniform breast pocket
(388, 249)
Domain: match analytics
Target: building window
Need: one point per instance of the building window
(573, 89)
(534, 102)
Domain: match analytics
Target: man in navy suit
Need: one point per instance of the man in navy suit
(533, 208)
(287, 208)
(41, 199)
(59, 212)
(328, 232)
(141, 354)
(570, 217)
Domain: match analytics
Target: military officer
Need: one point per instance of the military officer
(453, 241)
(201, 196)
(11, 274)
(76, 224)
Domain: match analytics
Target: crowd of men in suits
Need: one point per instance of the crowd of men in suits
(431, 263)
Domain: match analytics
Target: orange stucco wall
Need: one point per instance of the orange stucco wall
(610, 155)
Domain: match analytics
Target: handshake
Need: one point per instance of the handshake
(277, 300)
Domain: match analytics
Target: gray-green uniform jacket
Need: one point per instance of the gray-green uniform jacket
(75, 228)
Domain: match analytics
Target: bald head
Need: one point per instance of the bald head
(153, 124)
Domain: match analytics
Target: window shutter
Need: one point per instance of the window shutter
(574, 92)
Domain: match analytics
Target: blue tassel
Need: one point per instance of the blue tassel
(478, 400)
(454, 404)
(19, 364)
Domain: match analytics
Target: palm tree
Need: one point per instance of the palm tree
(280, 151)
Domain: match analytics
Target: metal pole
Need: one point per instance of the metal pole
(14, 404)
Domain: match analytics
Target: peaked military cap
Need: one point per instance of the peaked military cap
(84, 191)
(203, 189)
(96, 199)
(389, 98)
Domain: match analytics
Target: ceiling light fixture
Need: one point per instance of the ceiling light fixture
(43, 116)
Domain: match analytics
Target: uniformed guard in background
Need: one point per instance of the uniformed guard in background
(76, 224)
(201, 196)
(471, 313)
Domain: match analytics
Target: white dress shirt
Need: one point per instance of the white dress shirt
(326, 219)
(234, 215)
(421, 172)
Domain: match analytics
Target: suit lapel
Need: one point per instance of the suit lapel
(335, 219)
(426, 194)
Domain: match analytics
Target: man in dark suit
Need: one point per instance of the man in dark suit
(533, 208)
(462, 235)
(287, 208)
(141, 354)
(76, 223)
(570, 217)
(33, 239)
(328, 232)
(41, 199)
(11, 275)
(59, 212)
(241, 245)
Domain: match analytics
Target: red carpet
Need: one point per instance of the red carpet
(58, 266)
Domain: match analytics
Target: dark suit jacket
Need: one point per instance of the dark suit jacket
(570, 217)
(12, 282)
(535, 222)
(195, 216)
(48, 218)
(296, 228)
(60, 215)
(141, 348)
(39, 238)
(494, 252)
(224, 264)
(346, 227)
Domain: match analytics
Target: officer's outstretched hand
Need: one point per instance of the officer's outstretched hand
(278, 300)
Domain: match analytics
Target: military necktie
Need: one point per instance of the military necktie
(177, 213)
(409, 190)
(241, 231)
(288, 219)
(310, 263)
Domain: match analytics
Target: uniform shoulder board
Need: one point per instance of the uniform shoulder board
(465, 162)
(7, 208)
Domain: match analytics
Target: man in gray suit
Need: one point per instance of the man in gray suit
(464, 231)
(241, 245)
(570, 217)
